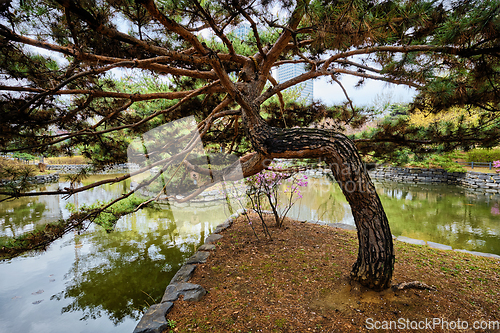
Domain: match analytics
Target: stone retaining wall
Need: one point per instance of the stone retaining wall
(75, 168)
(482, 182)
(41, 179)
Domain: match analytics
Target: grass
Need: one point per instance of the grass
(66, 160)
(483, 170)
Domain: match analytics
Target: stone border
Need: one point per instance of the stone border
(444, 247)
(75, 168)
(410, 240)
(488, 183)
(155, 320)
(40, 179)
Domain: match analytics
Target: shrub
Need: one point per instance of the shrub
(483, 155)
(267, 184)
(496, 164)
(66, 160)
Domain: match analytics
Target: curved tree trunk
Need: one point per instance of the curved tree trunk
(375, 262)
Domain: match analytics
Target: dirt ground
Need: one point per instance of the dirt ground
(299, 282)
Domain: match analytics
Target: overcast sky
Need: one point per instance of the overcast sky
(370, 94)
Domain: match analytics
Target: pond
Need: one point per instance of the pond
(99, 282)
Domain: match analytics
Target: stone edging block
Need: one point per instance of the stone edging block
(190, 291)
(154, 320)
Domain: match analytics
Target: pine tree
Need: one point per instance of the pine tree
(184, 59)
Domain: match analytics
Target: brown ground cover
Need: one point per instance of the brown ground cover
(299, 282)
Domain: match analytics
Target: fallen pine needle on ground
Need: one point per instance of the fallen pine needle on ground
(299, 282)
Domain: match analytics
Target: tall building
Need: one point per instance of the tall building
(242, 31)
(284, 72)
(289, 71)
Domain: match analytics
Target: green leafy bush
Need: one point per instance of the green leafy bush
(483, 155)
(441, 161)
(107, 219)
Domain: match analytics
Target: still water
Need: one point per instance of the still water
(99, 282)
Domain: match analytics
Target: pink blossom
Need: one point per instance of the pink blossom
(495, 210)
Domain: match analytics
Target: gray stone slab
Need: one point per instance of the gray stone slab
(223, 226)
(439, 246)
(184, 273)
(410, 240)
(212, 238)
(481, 254)
(207, 247)
(190, 291)
(241, 211)
(343, 226)
(154, 320)
(200, 257)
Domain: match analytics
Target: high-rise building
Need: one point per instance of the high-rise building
(242, 31)
(286, 72)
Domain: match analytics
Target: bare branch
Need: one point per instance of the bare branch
(347, 96)
(254, 28)
(214, 27)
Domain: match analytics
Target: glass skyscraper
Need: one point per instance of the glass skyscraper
(284, 72)
(289, 71)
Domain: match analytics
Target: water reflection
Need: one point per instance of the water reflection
(25, 214)
(122, 272)
(99, 282)
(439, 213)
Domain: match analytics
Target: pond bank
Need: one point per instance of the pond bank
(75, 168)
(40, 179)
(300, 283)
(488, 183)
(155, 319)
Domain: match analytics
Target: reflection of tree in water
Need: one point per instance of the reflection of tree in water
(123, 271)
(442, 214)
(17, 215)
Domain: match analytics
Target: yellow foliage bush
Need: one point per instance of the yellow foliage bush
(453, 115)
(66, 160)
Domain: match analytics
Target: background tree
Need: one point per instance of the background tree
(57, 59)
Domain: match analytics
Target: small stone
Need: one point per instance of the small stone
(154, 320)
(190, 291)
(207, 247)
(212, 238)
(184, 273)
(200, 257)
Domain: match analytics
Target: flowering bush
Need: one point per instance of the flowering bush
(496, 164)
(267, 184)
(495, 210)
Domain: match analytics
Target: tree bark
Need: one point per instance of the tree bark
(375, 262)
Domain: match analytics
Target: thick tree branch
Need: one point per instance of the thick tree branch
(136, 97)
(282, 42)
(87, 131)
(254, 28)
